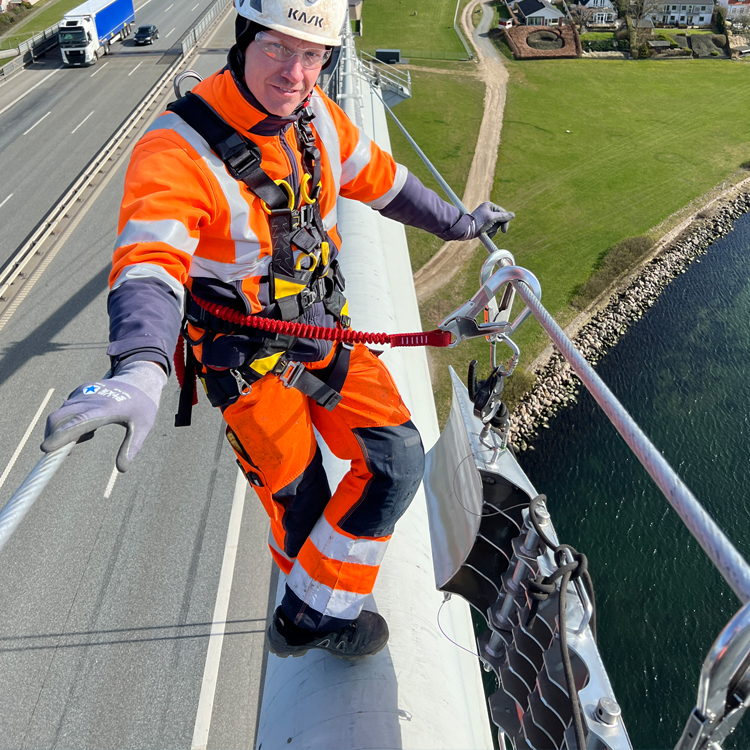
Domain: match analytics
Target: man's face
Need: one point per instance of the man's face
(280, 86)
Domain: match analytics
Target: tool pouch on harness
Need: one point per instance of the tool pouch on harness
(293, 287)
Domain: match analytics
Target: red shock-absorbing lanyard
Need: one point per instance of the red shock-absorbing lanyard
(435, 338)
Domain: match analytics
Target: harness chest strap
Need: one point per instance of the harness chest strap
(242, 159)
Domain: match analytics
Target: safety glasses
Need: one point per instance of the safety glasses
(275, 49)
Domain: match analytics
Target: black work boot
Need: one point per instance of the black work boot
(363, 637)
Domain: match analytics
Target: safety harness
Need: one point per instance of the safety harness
(293, 286)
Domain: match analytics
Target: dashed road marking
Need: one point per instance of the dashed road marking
(27, 92)
(26, 437)
(26, 132)
(99, 69)
(81, 123)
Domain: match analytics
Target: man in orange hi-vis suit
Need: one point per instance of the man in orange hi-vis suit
(230, 206)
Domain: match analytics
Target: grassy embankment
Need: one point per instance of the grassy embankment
(644, 142)
(439, 99)
(421, 29)
(640, 147)
(43, 20)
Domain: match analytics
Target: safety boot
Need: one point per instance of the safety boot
(364, 636)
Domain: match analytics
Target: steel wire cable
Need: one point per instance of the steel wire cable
(25, 496)
(724, 555)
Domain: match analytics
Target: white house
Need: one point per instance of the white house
(736, 9)
(693, 14)
(539, 13)
(599, 11)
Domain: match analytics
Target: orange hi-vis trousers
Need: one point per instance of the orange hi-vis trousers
(330, 546)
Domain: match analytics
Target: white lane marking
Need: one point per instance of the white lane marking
(111, 483)
(27, 92)
(81, 123)
(194, 7)
(26, 437)
(6, 200)
(142, 6)
(135, 68)
(98, 70)
(170, 32)
(218, 626)
(26, 132)
(171, 6)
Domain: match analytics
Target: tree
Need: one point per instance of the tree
(580, 16)
(721, 19)
(638, 12)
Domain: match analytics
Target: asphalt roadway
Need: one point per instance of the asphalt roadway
(108, 588)
(53, 119)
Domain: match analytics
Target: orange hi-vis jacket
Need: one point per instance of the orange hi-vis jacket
(186, 222)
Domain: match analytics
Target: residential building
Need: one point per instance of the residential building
(539, 13)
(598, 12)
(673, 14)
(736, 9)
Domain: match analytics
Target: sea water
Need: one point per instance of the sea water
(683, 373)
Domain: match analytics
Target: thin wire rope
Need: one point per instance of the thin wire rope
(440, 628)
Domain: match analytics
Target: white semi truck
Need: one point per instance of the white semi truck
(86, 32)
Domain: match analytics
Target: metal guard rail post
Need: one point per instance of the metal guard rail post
(724, 555)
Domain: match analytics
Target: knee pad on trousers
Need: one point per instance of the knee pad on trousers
(395, 458)
(304, 501)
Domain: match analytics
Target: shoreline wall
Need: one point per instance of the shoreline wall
(557, 385)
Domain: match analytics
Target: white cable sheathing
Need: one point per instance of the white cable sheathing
(421, 692)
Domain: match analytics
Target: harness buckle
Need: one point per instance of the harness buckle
(291, 373)
(242, 385)
(307, 298)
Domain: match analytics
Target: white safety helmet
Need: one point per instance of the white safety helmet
(317, 21)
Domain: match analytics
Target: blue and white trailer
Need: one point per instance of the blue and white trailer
(86, 32)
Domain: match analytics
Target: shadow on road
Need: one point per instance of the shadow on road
(39, 342)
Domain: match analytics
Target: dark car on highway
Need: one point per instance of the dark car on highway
(146, 35)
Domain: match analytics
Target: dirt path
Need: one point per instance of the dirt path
(446, 263)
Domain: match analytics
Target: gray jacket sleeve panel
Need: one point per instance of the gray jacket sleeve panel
(144, 322)
(420, 207)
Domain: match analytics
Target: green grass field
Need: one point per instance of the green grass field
(392, 24)
(645, 139)
(48, 17)
(595, 36)
(438, 101)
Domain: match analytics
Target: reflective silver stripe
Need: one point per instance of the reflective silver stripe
(229, 271)
(169, 231)
(329, 220)
(275, 546)
(326, 130)
(359, 159)
(337, 546)
(398, 184)
(247, 245)
(346, 605)
(150, 271)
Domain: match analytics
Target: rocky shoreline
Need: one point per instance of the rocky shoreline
(556, 384)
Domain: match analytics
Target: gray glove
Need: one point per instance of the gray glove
(489, 217)
(130, 398)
